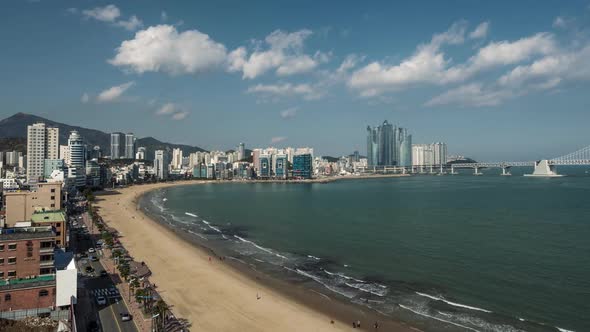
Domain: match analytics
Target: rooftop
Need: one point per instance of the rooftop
(23, 233)
(48, 216)
(38, 281)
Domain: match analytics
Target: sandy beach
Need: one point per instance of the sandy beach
(214, 295)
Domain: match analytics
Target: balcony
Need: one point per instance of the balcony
(47, 263)
(46, 250)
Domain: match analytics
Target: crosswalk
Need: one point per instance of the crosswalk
(106, 292)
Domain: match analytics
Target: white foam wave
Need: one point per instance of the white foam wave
(564, 330)
(366, 288)
(197, 234)
(260, 247)
(314, 257)
(342, 275)
(320, 281)
(452, 303)
(437, 318)
(211, 226)
(190, 214)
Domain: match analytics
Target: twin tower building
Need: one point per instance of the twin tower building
(389, 145)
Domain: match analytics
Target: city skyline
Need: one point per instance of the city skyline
(489, 88)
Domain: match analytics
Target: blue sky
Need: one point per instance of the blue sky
(496, 80)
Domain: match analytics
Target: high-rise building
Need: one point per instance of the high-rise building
(403, 143)
(117, 145)
(161, 165)
(64, 154)
(264, 170)
(42, 143)
(433, 154)
(280, 166)
(241, 151)
(176, 159)
(302, 166)
(129, 146)
(77, 149)
(141, 153)
(388, 145)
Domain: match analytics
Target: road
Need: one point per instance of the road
(94, 285)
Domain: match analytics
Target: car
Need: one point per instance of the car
(83, 255)
(125, 316)
(91, 250)
(89, 269)
(101, 300)
(104, 273)
(93, 259)
(92, 326)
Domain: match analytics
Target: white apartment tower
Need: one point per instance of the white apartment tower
(160, 165)
(42, 143)
(176, 159)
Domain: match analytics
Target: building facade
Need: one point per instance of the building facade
(20, 205)
(129, 146)
(303, 166)
(117, 145)
(160, 165)
(78, 157)
(42, 143)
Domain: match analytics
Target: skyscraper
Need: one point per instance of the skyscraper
(78, 157)
(160, 165)
(42, 143)
(129, 146)
(241, 151)
(117, 145)
(388, 145)
(302, 166)
(176, 159)
(141, 153)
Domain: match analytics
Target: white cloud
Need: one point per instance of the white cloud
(168, 108)
(85, 98)
(284, 53)
(289, 113)
(173, 110)
(481, 31)
(561, 22)
(304, 90)
(104, 14)
(132, 24)
(349, 62)
(163, 49)
(277, 139)
(473, 94)
(179, 115)
(113, 93)
(428, 64)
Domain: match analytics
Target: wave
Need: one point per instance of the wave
(564, 330)
(321, 282)
(314, 257)
(437, 318)
(190, 214)
(260, 247)
(197, 234)
(366, 288)
(453, 303)
(211, 226)
(342, 275)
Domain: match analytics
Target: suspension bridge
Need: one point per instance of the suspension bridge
(542, 168)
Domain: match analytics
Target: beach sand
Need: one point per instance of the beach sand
(216, 295)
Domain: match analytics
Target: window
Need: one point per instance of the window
(1, 247)
(7, 297)
(12, 246)
(12, 273)
(46, 270)
(1, 261)
(52, 190)
(52, 205)
(52, 198)
(43, 293)
(11, 260)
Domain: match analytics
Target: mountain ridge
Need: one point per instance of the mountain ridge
(15, 127)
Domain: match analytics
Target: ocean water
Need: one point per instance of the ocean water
(443, 253)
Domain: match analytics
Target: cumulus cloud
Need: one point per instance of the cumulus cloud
(107, 13)
(162, 48)
(85, 98)
(277, 139)
(173, 110)
(561, 22)
(114, 93)
(307, 91)
(481, 31)
(179, 115)
(289, 113)
(132, 24)
(428, 65)
(283, 53)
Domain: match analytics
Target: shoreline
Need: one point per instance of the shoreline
(293, 307)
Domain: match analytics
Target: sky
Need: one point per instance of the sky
(495, 80)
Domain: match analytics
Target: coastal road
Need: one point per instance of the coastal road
(95, 286)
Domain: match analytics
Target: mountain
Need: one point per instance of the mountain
(14, 129)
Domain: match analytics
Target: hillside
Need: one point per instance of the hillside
(15, 127)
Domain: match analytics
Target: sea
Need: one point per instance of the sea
(440, 252)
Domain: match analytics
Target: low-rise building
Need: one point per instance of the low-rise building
(55, 219)
(21, 204)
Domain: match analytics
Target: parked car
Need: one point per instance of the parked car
(91, 250)
(89, 269)
(125, 316)
(100, 300)
(93, 259)
(104, 273)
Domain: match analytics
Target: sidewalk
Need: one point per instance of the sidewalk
(142, 324)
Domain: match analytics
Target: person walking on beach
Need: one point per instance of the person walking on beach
(376, 326)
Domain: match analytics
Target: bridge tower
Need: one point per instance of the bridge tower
(543, 168)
